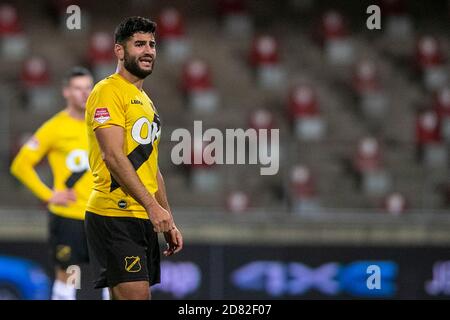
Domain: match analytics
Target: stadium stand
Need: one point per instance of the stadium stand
(231, 55)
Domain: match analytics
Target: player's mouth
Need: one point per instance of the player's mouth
(146, 62)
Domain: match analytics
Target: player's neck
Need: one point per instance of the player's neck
(75, 113)
(138, 82)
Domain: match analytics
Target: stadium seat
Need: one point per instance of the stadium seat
(398, 22)
(335, 38)
(430, 147)
(304, 113)
(101, 55)
(368, 156)
(35, 79)
(13, 41)
(236, 20)
(365, 77)
(441, 105)
(203, 174)
(172, 33)
(197, 85)
(368, 164)
(317, 90)
(265, 59)
(369, 91)
(303, 193)
(430, 62)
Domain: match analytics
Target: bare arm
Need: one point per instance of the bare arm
(173, 238)
(161, 194)
(111, 140)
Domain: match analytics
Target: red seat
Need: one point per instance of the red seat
(264, 58)
(302, 183)
(196, 76)
(35, 72)
(368, 157)
(430, 146)
(197, 85)
(302, 102)
(101, 46)
(203, 174)
(235, 18)
(13, 41)
(372, 98)
(430, 62)
(428, 53)
(9, 20)
(170, 24)
(332, 27)
(334, 36)
(398, 22)
(427, 128)
(365, 77)
(264, 51)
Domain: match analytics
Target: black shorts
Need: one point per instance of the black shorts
(122, 249)
(67, 240)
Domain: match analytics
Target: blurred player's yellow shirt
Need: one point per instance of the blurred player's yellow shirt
(63, 140)
(116, 101)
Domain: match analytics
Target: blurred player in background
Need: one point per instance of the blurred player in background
(128, 205)
(62, 139)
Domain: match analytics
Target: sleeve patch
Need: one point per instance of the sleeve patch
(32, 143)
(101, 115)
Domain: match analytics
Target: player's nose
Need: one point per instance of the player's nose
(148, 50)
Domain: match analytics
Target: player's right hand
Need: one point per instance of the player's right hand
(62, 198)
(160, 218)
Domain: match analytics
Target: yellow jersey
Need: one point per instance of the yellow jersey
(63, 140)
(115, 101)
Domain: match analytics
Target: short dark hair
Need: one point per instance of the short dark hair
(130, 26)
(75, 72)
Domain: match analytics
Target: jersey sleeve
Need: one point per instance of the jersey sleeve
(29, 156)
(105, 107)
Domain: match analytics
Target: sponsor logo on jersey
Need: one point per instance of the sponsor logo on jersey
(101, 115)
(135, 101)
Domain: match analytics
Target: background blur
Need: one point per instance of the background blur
(364, 119)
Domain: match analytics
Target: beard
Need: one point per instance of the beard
(131, 63)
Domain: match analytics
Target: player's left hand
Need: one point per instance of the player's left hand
(174, 241)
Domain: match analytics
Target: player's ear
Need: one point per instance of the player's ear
(119, 51)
